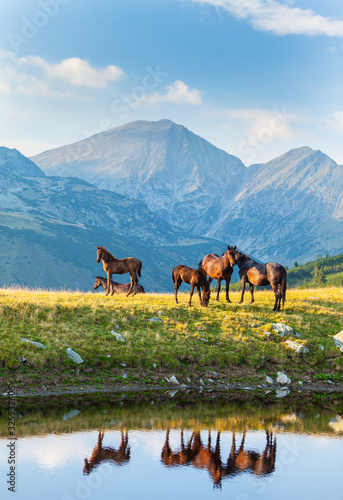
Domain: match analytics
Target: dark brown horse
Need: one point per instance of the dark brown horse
(118, 266)
(218, 268)
(107, 453)
(196, 279)
(118, 287)
(260, 275)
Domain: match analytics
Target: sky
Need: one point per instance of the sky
(254, 77)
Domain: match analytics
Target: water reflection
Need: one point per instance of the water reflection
(108, 454)
(209, 458)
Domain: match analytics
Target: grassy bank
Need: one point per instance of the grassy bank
(191, 342)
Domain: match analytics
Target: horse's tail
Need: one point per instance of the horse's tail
(283, 286)
(140, 268)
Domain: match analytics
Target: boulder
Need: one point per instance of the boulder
(282, 330)
(74, 356)
(296, 347)
(33, 342)
(156, 319)
(282, 378)
(282, 392)
(118, 336)
(338, 339)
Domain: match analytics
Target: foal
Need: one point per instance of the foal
(196, 279)
(117, 287)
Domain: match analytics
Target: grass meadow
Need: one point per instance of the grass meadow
(189, 342)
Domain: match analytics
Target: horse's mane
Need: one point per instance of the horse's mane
(109, 253)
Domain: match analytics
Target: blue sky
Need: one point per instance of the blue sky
(254, 77)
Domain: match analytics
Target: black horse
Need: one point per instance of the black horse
(197, 279)
(260, 275)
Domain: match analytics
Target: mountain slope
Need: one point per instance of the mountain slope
(50, 226)
(176, 173)
(291, 208)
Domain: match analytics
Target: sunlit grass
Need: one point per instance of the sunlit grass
(188, 341)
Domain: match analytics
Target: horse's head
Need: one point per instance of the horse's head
(99, 254)
(232, 254)
(97, 283)
(206, 297)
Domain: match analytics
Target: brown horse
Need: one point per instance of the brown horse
(218, 268)
(107, 453)
(118, 287)
(260, 275)
(196, 279)
(118, 266)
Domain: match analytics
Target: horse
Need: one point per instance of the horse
(194, 277)
(118, 287)
(218, 268)
(118, 266)
(260, 275)
(107, 453)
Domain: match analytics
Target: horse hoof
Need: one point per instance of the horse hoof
(228, 301)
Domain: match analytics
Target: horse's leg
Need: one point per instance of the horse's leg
(131, 285)
(243, 281)
(109, 276)
(191, 295)
(176, 288)
(275, 290)
(199, 293)
(280, 295)
(227, 290)
(252, 292)
(218, 288)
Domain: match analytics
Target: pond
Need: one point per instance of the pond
(127, 448)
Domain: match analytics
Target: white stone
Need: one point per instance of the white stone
(281, 329)
(269, 380)
(74, 356)
(33, 342)
(282, 392)
(321, 347)
(282, 378)
(118, 336)
(295, 346)
(174, 380)
(338, 339)
(156, 319)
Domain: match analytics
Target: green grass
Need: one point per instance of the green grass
(190, 342)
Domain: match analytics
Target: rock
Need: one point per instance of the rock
(282, 392)
(118, 336)
(297, 335)
(282, 378)
(201, 382)
(321, 347)
(74, 356)
(188, 379)
(123, 365)
(204, 340)
(210, 380)
(156, 319)
(282, 330)
(174, 380)
(124, 375)
(154, 365)
(295, 346)
(70, 414)
(300, 382)
(337, 424)
(269, 380)
(173, 392)
(33, 342)
(254, 325)
(215, 375)
(338, 339)
(268, 335)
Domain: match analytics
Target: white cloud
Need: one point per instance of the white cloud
(335, 121)
(32, 75)
(177, 93)
(279, 17)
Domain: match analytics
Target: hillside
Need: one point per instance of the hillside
(322, 272)
(288, 209)
(50, 227)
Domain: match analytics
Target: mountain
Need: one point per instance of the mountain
(13, 161)
(179, 175)
(291, 208)
(50, 227)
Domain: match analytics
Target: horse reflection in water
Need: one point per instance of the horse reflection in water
(240, 460)
(102, 453)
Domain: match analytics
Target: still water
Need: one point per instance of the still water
(167, 451)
